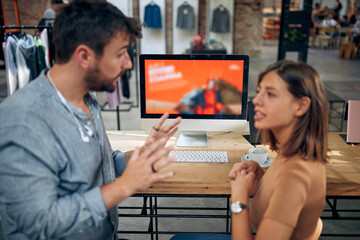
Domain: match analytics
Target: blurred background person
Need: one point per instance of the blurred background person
(50, 13)
(315, 22)
(329, 21)
(337, 9)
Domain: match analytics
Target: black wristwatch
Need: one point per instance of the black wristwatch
(237, 207)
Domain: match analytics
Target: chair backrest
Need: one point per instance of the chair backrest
(345, 29)
(345, 34)
(325, 30)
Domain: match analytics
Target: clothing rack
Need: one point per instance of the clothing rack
(49, 33)
(130, 104)
(26, 27)
(51, 49)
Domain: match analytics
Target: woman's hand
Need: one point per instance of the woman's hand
(159, 131)
(249, 166)
(243, 186)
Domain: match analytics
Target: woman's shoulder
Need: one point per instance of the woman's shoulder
(298, 166)
(295, 172)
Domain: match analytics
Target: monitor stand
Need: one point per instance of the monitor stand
(193, 139)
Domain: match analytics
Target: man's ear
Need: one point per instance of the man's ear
(84, 56)
(303, 107)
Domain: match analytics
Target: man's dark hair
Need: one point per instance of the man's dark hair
(92, 24)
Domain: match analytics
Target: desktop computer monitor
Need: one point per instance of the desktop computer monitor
(209, 92)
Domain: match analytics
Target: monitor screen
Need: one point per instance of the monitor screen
(208, 91)
(194, 86)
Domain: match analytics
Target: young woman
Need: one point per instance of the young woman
(291, 111)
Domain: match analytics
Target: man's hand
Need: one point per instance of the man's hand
(159, 131)
(141, 172)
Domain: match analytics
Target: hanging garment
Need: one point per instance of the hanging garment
(10, 64)
(152, 16)
(115, 97)
(26, 60)
(125, 83)
(4, 48)
(40, 54)
(50, 34)
(125, 78)
(185, 17)
(220, 20)
(45, 41)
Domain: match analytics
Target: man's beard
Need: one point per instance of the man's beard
(95, 82)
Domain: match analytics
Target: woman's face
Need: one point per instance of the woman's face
(275, 106)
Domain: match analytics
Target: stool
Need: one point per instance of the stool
(325, 40)
(347, 50)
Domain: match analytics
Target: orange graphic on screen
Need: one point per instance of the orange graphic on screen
(212, 87)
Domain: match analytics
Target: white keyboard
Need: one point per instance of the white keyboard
(200, 156)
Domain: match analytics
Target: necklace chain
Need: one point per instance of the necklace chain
(64, 102)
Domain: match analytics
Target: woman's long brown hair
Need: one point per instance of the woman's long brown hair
(309, 138)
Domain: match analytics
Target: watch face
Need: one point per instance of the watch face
(235, 207)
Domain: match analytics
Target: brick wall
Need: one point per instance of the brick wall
(135, 5)
(30, 11)
(248, 27)
(169, 24)
(276, 3)
(202, 16)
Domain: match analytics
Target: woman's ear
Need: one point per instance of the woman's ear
(84, 56)
(304, 105)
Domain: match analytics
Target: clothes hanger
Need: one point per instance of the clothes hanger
(221, 7)
(22, 34)
(19, 34)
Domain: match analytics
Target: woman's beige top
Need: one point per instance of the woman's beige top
(293, 193)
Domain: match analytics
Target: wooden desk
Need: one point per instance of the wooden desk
(343, 169)
(210, 180)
